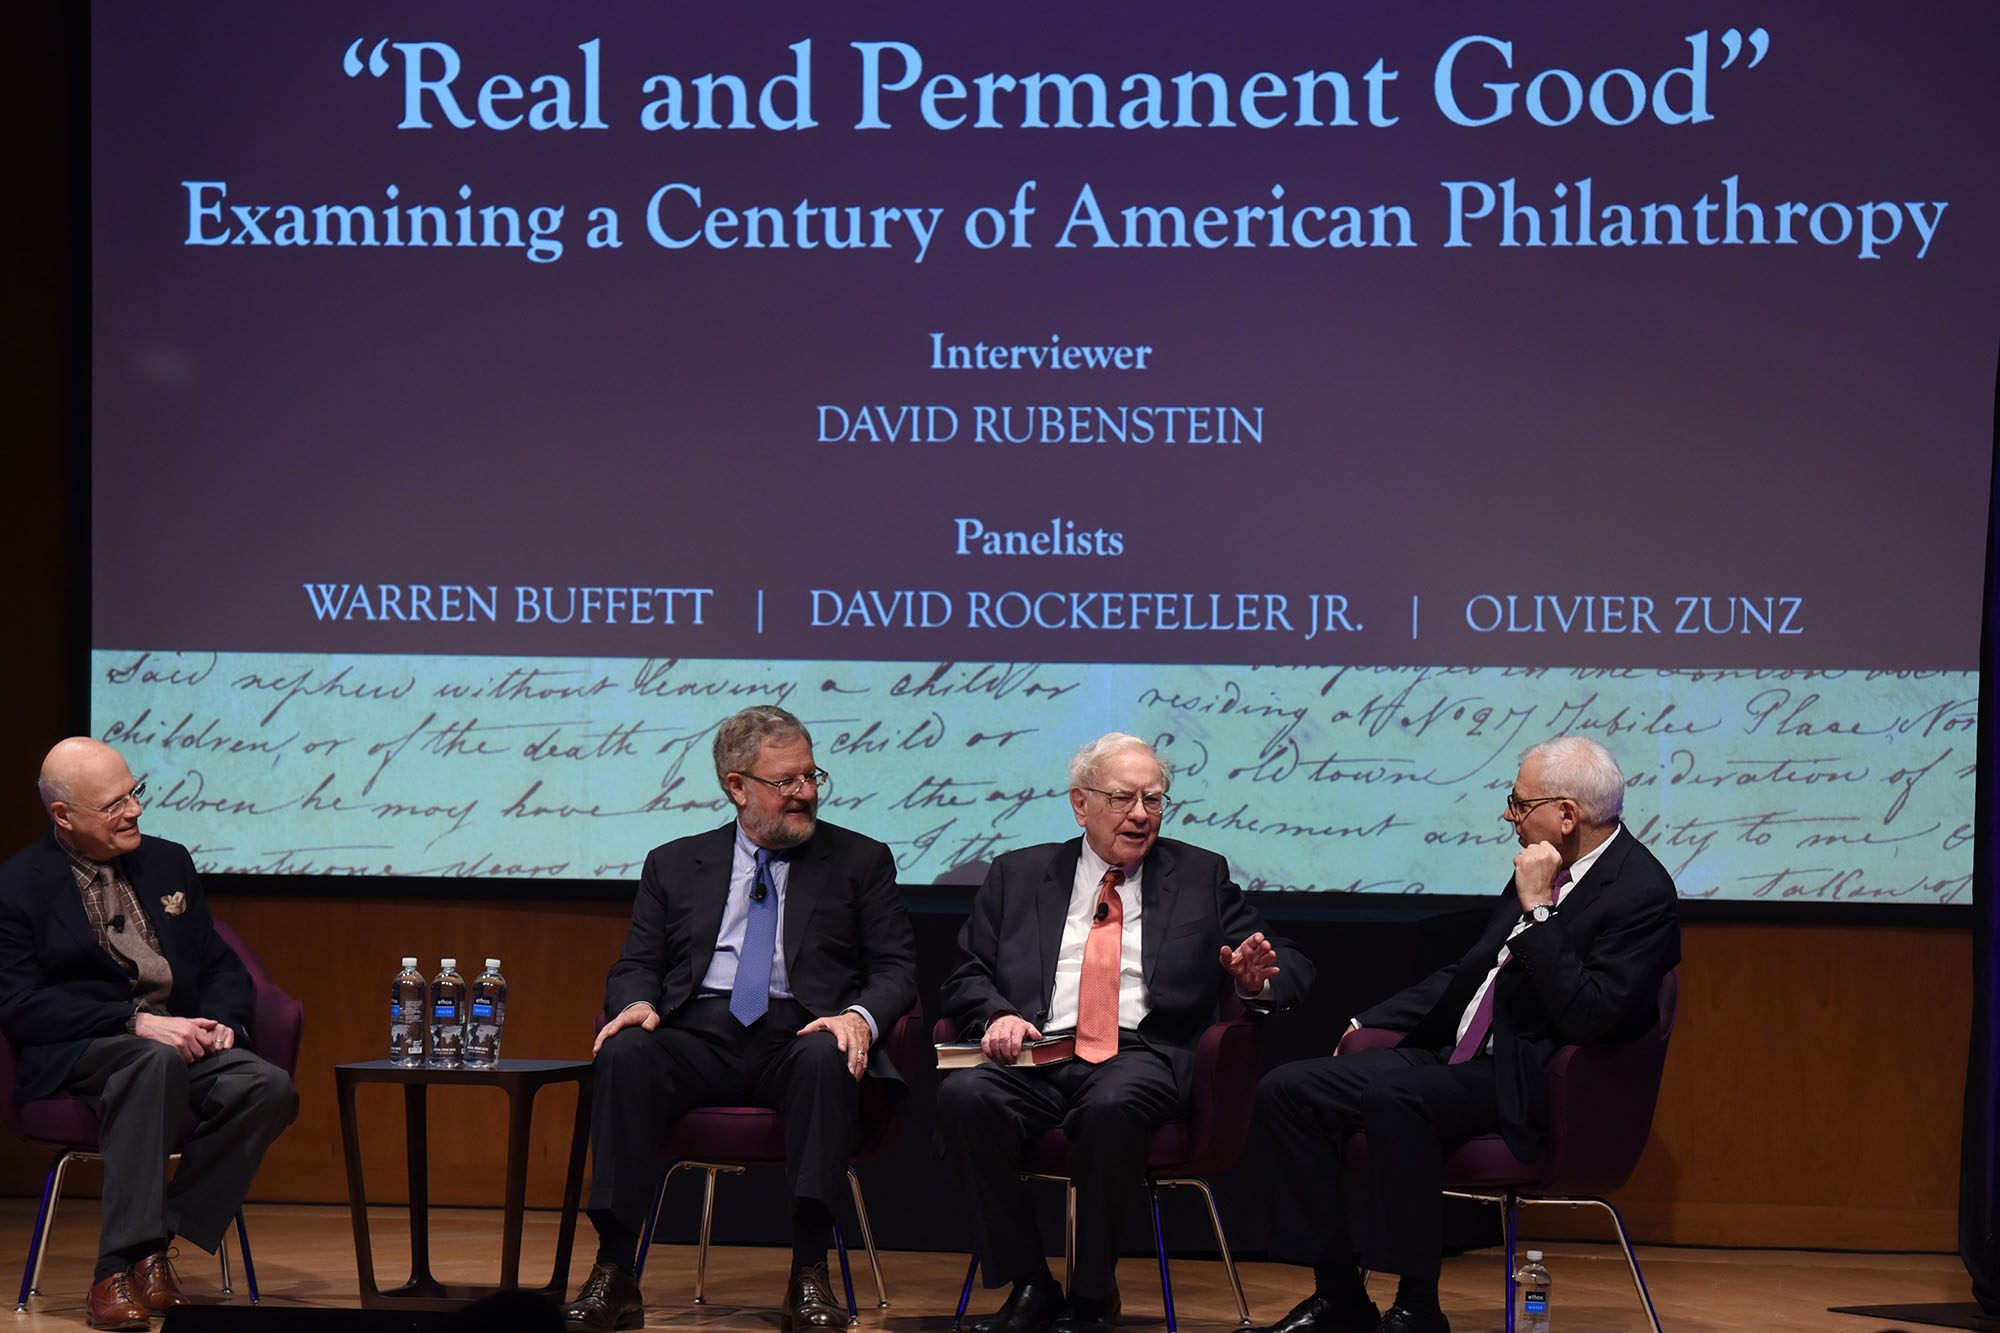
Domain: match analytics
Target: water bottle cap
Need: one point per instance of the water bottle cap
(447, 964)
(409, 962)
(1534, 1256)
(493, 965)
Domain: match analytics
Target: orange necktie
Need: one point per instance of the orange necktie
(1097, 984)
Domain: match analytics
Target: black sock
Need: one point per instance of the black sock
(125, 1260)
(617, 1244)
(812, 1233)
(1341, 1284)
(1418, 1295)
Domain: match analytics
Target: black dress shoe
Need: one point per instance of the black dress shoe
(609, 1300)
(1030, 1308)
(1399, 1320)
(810, 1303)
(1317, 1314)
(1086, 1314)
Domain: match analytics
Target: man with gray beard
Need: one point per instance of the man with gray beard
(764, 960)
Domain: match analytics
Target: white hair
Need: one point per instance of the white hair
(1584, 771)
(1086, 763)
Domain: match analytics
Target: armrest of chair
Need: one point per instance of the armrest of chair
(1225, 1093)
(1366, 1039)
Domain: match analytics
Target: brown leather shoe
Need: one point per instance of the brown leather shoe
(809, 1302)
(156, 1284)
(609, 1300)
(111, 1304)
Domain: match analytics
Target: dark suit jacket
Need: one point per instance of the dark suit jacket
(1591, 973)
(847, 934)
(1189, 910)
(59, 988)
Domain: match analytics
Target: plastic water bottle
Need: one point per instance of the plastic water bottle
(1533, 1281)
(447, 1015)
(407, 998)
(488, 1010)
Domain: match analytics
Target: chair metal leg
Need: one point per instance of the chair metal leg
(57, 1172)
(1510, 1203)
(1160, 1243)
(249, 1269)
(1631, 1259)
(44, 1218)
(1069, 1236)
(707, 1222)
(222, 1253)
(958, 1316)
(652, 1220)
(1221, 1241)
(868, 1239)
(846, 1274)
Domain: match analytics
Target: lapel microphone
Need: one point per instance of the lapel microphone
(1103, 911)
(117, 923)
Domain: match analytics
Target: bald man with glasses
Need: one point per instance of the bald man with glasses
(115, 986)
(1129, 939)
(1574, 952)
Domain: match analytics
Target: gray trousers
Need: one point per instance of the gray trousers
(142, 1091)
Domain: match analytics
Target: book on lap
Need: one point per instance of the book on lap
(1049, 1050)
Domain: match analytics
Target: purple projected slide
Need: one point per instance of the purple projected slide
(1343, 397)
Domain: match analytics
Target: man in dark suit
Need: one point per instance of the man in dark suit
(1130, 939)
(114, 986)
(1574, 953)
(764, 960)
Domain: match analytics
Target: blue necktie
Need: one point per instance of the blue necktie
(752, 993)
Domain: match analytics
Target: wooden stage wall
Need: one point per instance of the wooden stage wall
(1812, 1097)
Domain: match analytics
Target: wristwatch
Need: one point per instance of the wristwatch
(1541, 912)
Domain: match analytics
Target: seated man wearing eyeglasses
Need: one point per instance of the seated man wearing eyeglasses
(1575, 951)
(115, 986)
(763, 961)
(1127, 938)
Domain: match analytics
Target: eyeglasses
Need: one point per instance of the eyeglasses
(1121, 801)
(819, 780)
(1517, 809)
(131, 798)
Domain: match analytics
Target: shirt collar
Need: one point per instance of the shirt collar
(1581, 866)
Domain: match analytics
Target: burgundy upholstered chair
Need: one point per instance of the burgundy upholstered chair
(1601, 1102)
(1207, 1140)
(714, 1139)
(66, 1124)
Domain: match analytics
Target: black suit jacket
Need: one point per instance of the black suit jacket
(59, 987)
(847, 934)
(1591, 973)
(1189, 910)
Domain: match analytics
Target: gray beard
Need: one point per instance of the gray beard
(775, 833)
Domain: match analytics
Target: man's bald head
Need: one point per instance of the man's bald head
(90, 796)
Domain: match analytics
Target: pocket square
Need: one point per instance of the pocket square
(175, 903)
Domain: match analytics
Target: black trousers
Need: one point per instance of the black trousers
(1108, 1111)
(142, 1090)
(645, 1081)
(1415, 1108)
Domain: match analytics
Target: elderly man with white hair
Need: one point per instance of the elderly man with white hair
(1574, 952)
(1130, 939)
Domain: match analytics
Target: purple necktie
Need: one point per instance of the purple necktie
(1482, 1017)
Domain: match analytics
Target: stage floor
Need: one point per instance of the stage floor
(305, 1257)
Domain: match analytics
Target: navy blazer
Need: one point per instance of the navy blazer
(60, 988)
(848, 939)
(1189, 909)
(1590, 973)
